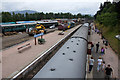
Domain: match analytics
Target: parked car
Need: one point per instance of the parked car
(53, 26)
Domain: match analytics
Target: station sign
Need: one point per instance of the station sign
(38, 35)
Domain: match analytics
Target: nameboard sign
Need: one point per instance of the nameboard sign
(38, 35)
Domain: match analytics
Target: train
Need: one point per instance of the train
(16, 27)
(21, 26)
(36, 30)
(65, 26)
(48, 23)
(69, 62)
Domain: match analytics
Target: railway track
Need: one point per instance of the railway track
(9, 41)
(30, 70)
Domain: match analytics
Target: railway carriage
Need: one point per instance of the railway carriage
(16, 27)
(69, 62)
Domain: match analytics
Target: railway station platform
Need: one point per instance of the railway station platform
(110, 57)
(13, 61)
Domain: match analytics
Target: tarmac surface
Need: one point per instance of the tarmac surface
(110, 57)
(13, 61)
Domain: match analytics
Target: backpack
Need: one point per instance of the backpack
(102, 50)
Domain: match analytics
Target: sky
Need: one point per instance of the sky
(72, 6)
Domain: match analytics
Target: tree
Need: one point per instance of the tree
(6, 17)
(108, 14)
(27, 16)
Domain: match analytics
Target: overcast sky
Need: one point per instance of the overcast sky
(72, 6)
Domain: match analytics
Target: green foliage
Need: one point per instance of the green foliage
(110, 33)
(7, 17)
(108, 20)
(108, 15)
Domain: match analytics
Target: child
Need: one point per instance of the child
(102, 51)
(103, 66)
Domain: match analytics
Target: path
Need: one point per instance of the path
(110, 58)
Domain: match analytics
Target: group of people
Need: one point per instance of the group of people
(101, 66)
(102, 49)
(97, 48)
(105, 42)
(100, 63)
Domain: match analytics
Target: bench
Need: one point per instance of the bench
(26, 46)
(41, 41)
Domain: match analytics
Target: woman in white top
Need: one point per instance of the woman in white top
(99, 62)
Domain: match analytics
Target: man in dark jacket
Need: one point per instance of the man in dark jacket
(108, 72)
(97, 47)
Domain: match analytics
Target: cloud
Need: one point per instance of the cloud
(54, 0)
(73, 6)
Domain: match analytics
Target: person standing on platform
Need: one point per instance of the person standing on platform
(91, 63)
(102, 51)
(104, 41)
(92, 31)
(106, 44)
(103, 66)
(97, 47)
(108, 72)
(98, 31)
(95, 29)
(92, 46)
(99, 62)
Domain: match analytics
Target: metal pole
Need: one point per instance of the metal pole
(35, 40)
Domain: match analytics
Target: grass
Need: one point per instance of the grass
(109, 33)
